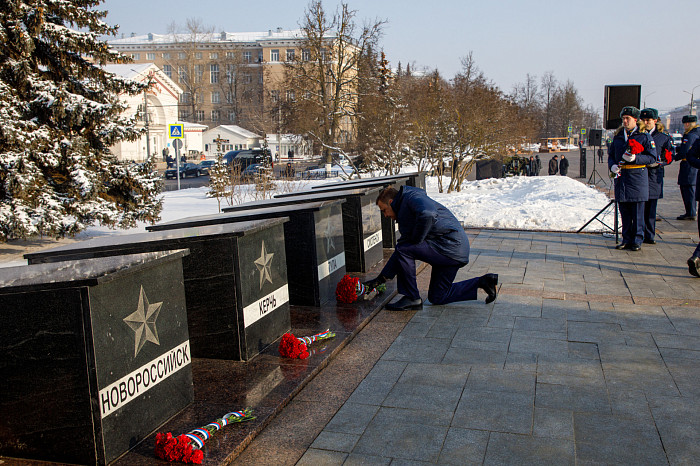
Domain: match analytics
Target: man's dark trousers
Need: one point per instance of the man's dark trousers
(632, 214)
(688, 195)
(402, 265)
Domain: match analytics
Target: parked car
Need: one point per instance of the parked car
(186, 169)
(253, 171)
(205, 165)
(243, 158)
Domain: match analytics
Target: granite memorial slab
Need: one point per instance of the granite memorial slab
(313, 239)
(96, 355)
(235, 281)
(389, 226)
(362, 234)
(415, 179)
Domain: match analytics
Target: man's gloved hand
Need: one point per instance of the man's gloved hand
(375, 282)
(628, 157)
(615, 169)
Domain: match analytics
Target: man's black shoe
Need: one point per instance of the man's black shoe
(685, 217)
(405, 304)
(634, 247)
(649, 241)
(694, 266)
(621, 246)
(375, 282)
(489, 283)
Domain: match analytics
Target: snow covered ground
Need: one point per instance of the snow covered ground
(553, 203)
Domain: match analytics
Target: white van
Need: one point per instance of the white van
(677, 139)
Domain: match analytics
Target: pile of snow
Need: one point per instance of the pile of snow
(552, 203)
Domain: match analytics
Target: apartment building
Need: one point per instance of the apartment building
(227, 78)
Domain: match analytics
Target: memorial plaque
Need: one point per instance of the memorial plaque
(355, 212)
(389, 226)
(313, 239)
(235, 281)
(96, 355)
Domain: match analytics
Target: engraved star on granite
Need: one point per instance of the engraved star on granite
(263, 264)
(330, 240)
(143, 322)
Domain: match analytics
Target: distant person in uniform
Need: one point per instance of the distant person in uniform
(664, 156)
(687, 174)
(553, 166)
(432, 234)
(631, 150)
(563, 165)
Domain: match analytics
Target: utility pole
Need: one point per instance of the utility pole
(690, 111)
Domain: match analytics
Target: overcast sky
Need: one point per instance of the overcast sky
(592, 43)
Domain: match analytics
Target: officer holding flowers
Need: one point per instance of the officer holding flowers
(630, 151)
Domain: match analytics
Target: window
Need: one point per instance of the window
(291, 96)
(214, 56)
(247, 78)
(181, 74)
(168, 70)
(323, 54)
(260, 57)
(230, 73)
(214, 115)
(150, 56)
(290, 54)
(166, 56)
(184, 115)
(229, 97)
(216, 97)
(181, 55)
(214, 73)
(200, 97)
(305, 54)
(198, 73)
(136, 56)
(275, 55)
(275, 96)
(198, 55)
(199, 115)
(246, 57)
(232, 116)
(230, 55)
(185, 98)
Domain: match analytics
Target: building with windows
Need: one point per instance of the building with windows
(224, 138)
(159, 102)
(226, 78)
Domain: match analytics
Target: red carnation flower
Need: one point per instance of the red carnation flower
(633, 147)
(292, 347)
(668, 156)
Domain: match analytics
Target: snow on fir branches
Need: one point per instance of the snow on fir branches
(59, 114)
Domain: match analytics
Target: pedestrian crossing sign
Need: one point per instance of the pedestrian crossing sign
(176, 131)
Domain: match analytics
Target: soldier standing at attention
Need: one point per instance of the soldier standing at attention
(631, 150)
(664, 152)
(687, 174)
(691, 154)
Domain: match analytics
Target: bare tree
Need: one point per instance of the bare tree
(549, 87)
(241, 89)
(324, 77)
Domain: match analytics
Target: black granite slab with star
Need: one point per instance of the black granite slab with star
(95, 355)
(313, 239)
(362, 233)
(235, 280)
(415, 179)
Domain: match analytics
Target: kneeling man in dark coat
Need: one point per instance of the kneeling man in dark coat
(432, 234)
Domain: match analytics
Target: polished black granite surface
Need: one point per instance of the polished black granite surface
(313, 239)
(415, 179)
(362, 233)
(266, 383)
(95, 355)
(235, 280)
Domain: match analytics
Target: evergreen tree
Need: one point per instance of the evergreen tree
(59, 114)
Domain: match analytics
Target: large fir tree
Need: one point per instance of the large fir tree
(59, 114)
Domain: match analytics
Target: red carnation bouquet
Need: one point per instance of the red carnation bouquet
(668, 156)
(350, 288)
(187, 448)
(296, 347)
(634, 147)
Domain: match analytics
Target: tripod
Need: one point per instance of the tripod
(615, 226)
(592, 179)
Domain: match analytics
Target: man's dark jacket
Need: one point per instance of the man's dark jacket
(692, 156)
(553, 166)
(632, 185)
(423, 219)
(687, 173)
(564, 166)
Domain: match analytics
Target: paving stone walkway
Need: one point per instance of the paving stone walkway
(589, 356)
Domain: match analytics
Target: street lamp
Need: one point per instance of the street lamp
(691, 97)
(644, 102)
